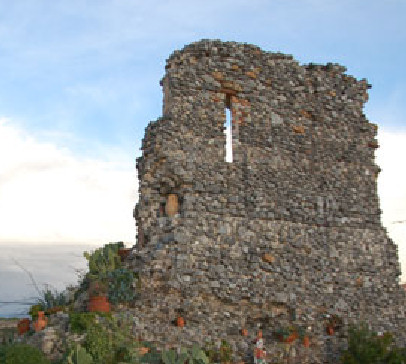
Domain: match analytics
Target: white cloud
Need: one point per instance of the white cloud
(392, 188)
(47, 194)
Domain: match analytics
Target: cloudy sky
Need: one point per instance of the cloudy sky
(79, 82)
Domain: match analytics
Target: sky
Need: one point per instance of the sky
(79, 82)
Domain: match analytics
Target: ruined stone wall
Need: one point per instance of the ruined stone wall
(292, 225)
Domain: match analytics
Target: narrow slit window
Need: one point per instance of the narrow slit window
(229, 136)
(161, 210)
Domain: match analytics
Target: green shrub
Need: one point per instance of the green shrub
(126, 349)
(22, 354)
(366, 347)
(99, 345)
(108, 339)
(81, 321)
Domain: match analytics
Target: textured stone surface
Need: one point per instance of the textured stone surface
(287, 233)
(53, 340)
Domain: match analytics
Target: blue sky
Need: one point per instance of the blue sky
(91, 68)
(79, 82)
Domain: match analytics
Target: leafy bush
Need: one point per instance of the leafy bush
(126, 349)
(99, 345)
(110, 340)
(366, 347)
(22, 354)
(215, 355)
(80, 322)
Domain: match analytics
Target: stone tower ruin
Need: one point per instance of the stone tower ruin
(289, 232)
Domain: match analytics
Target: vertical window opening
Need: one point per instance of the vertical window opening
(228, 127)
(161, 210)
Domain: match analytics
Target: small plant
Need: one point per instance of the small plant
(34, 309)
(334, 321)
(152, 357)
(288, 332)
(226, 352)
(282, 332)
(301, 331)
(211, 352)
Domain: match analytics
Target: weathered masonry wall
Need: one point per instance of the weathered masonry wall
(291, 225)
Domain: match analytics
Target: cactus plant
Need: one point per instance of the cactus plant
(79, 355)
(172, 357)
(194, 356)
(198, 356)
(104, 259)
(121, 285)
